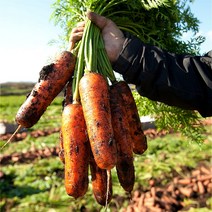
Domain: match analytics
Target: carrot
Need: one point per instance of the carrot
(76, 150)
(94, 94)
(101, 183)
(68, 96)
(52, 80)
(61, 151)
(124, 166)
(67, 100)
(138, 137)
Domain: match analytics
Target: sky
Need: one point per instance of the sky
(26, 31)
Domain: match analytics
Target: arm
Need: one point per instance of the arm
(177, 80)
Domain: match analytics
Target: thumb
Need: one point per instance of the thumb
(99, 20)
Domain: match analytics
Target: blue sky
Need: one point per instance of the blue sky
(26, 31)
(202, 9)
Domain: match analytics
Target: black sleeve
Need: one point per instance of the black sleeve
(177, 80)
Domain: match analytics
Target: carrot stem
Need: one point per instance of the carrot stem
(91, 57)
(80, 65)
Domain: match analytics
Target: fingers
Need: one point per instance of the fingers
(77, 32)
(81, 24)
(99, 20)
(76, 35)
(113, 37)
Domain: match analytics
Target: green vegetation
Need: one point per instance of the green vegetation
(173, 152)
(168, 118)
(157, 22)
(30, 143)
(10, 104)
(39, 185)
(13, 88)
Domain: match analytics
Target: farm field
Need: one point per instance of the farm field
(172, 175)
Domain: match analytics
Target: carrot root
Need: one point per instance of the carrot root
(12, 136)
(94, 94)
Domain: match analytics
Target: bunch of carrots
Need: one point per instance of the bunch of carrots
(102, 131)
(100, 127)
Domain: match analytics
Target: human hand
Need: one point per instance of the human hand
(76, 35)
(112, 35)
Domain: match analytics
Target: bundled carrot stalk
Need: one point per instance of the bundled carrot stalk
(111, 117)
(100, 123)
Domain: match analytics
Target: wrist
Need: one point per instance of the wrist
(117, 49)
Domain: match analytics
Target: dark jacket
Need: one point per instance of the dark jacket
(177, 80)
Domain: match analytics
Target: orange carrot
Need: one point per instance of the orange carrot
(68, 96)
(76, 150)
(124, 166)
(94, 94)
(101, 189)
(61, 151)
(67, 100)
(138, 137)
(52, 80)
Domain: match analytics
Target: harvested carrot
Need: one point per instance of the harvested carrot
(76, 150)
(68, 96)
(67, 100)
(52, 80)
(101, 183)
(138, 137)
(94, 94)
(124, 166)
(61, 151)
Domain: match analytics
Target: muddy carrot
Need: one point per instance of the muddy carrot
(67, 100)
(68, 95)
(138, 137)
(124, 142)
(101, 183)
(76, 150)
(52, 80)
(61, 148)
(94, 94)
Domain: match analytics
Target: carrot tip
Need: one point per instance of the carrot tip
(108, 188)
(12, 136)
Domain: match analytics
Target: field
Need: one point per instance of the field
(172, 175)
